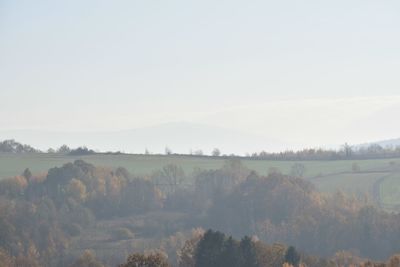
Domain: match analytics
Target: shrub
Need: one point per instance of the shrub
(122, 234)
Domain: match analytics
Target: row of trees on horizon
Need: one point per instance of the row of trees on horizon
(347, 151)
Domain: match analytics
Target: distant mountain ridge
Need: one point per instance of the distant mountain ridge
(383, 143)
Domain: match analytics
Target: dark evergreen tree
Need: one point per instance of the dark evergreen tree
(231, 256)
(292, 256)
(248, 252)
(209, 249)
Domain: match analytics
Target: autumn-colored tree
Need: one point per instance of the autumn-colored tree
(346, 258)
(234, 168)
(186, 255)
(142, 260)
(77, 190)
(394, 261)
(5, 259)
(87, 259)
(13, 187)
(24, 260)
(169, 178)
(270, 255)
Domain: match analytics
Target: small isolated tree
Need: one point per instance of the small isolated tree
(292, 256)
(141, 260)
(168, 151)
(216, 152)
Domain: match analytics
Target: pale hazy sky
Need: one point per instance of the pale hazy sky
(309, 72)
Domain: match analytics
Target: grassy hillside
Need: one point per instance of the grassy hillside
(14, 164)
(389, 192)
(357, 183)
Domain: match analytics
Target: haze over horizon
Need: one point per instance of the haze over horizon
(305, 74)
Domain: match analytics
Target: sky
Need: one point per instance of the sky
(309, 73)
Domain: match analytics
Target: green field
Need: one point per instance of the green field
(390, 191)
(328, 176)
(357, 183)
(14, 164)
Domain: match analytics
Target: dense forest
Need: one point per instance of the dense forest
(51, 219)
